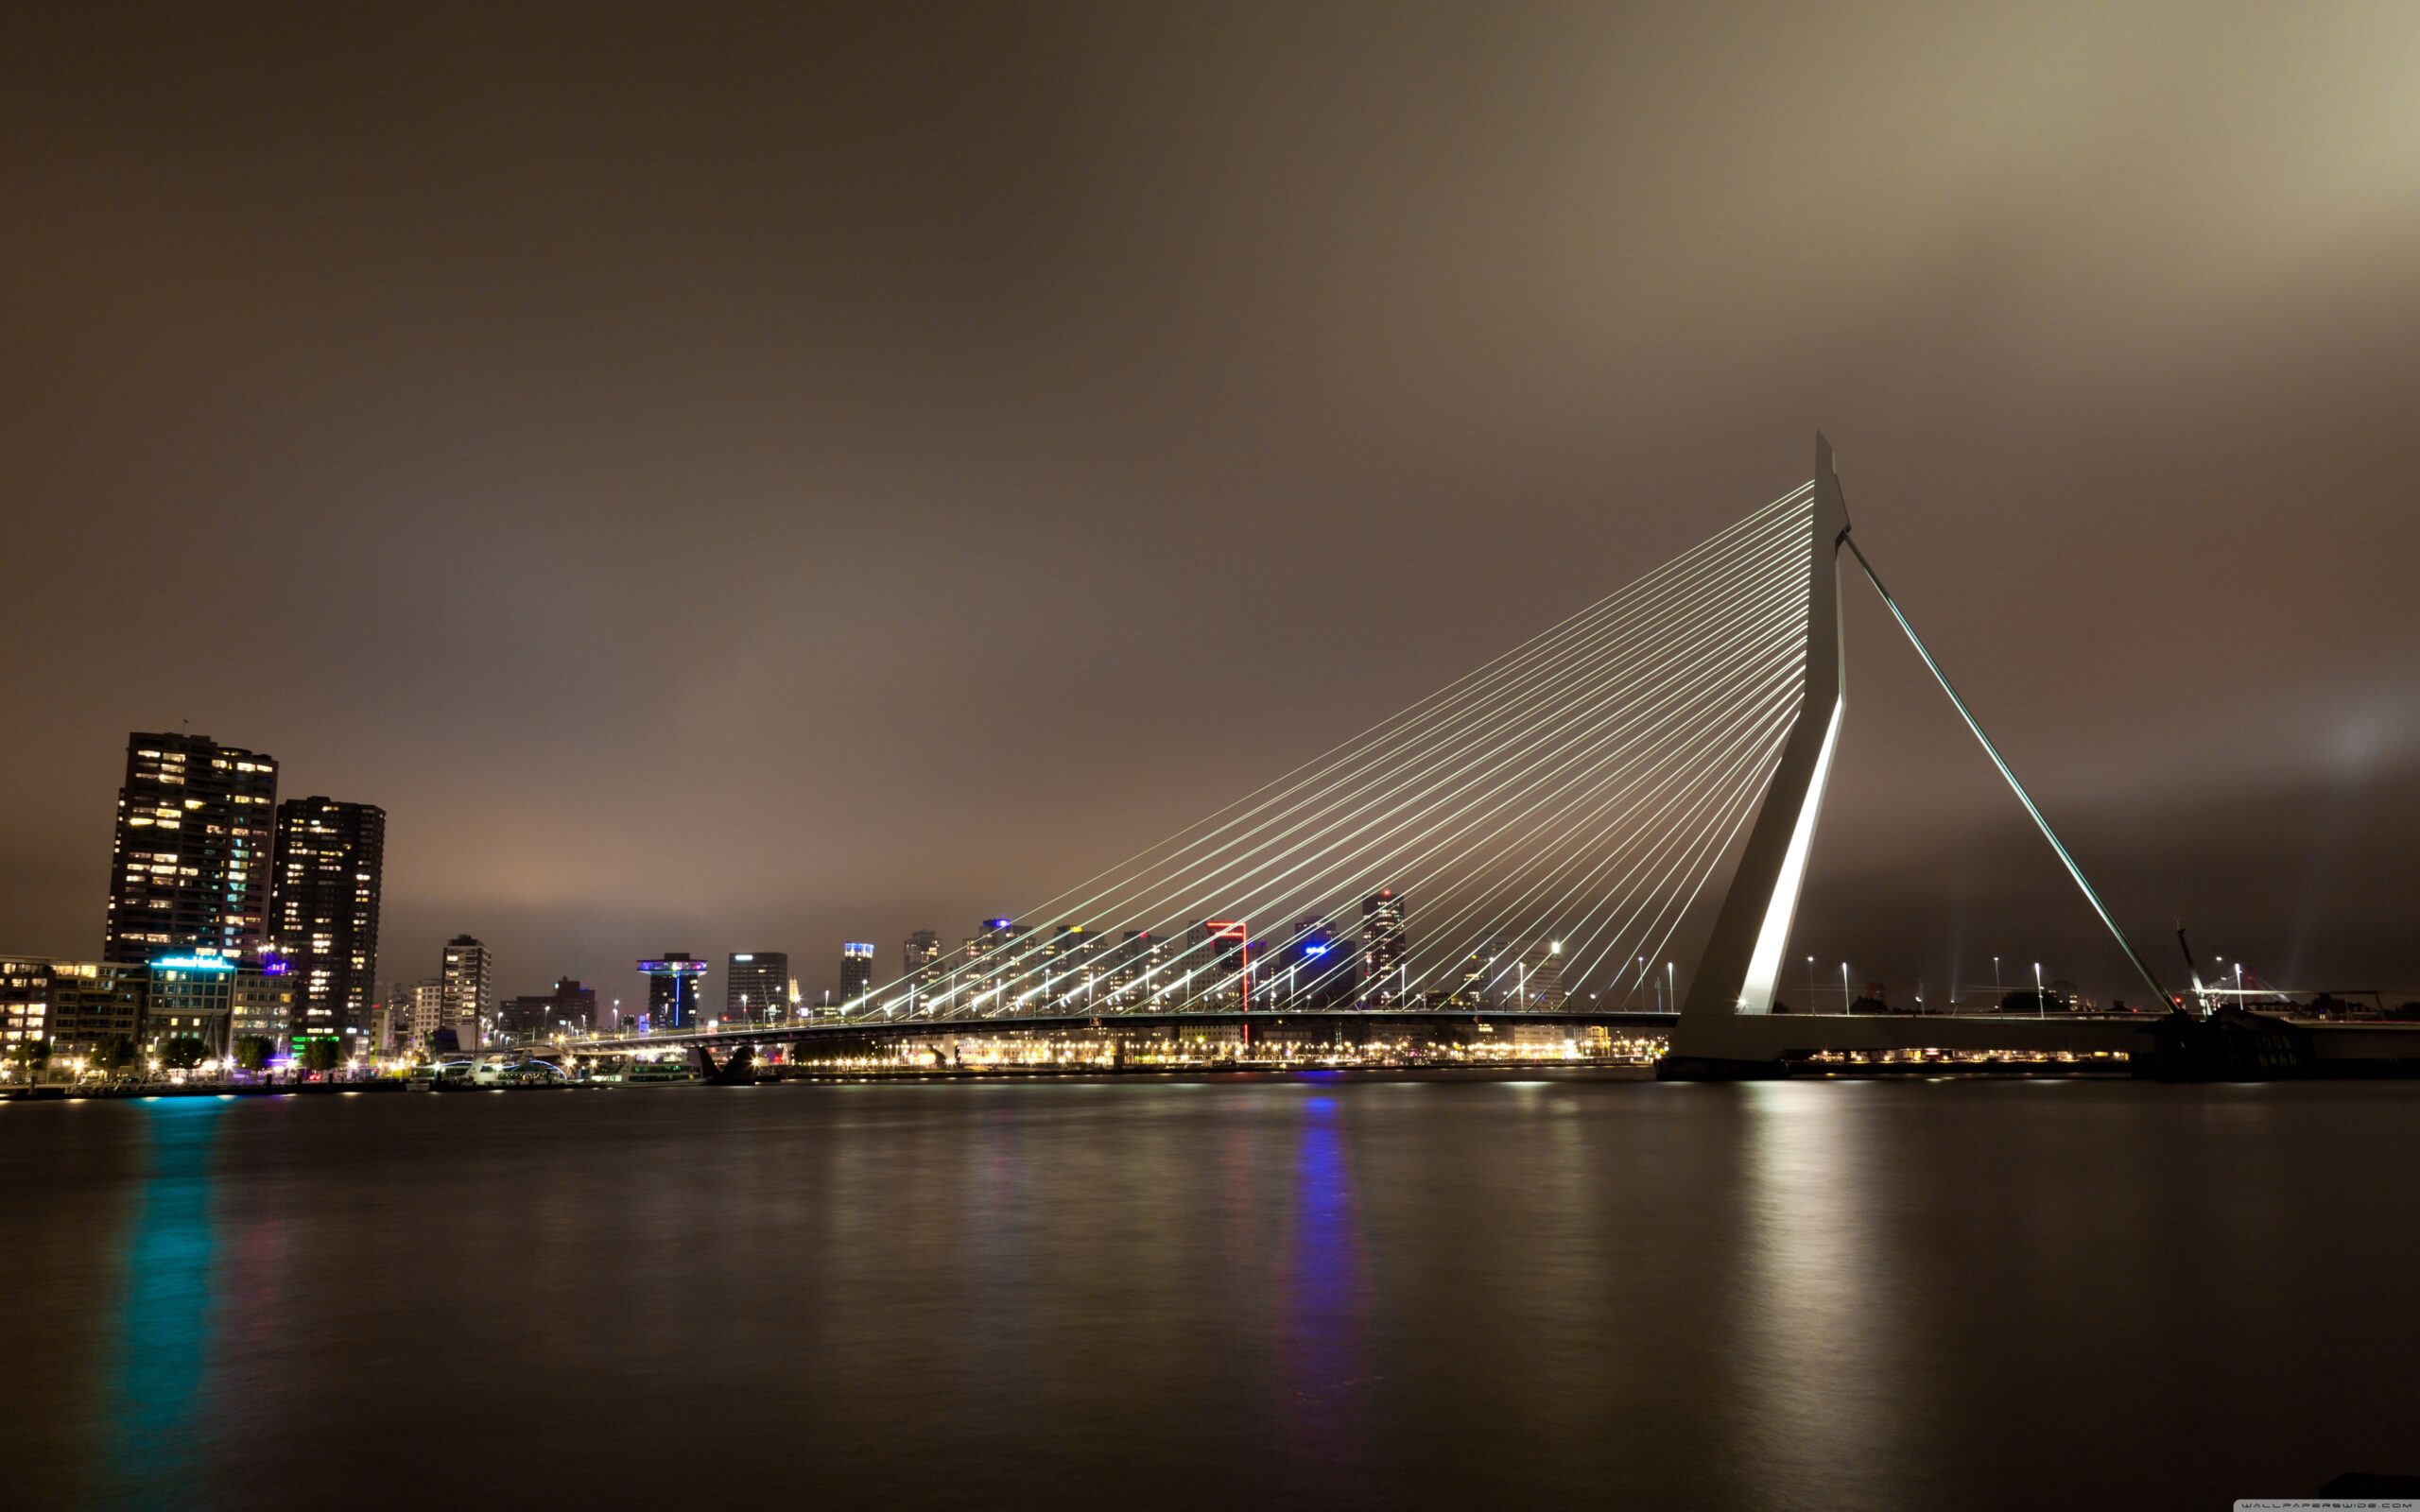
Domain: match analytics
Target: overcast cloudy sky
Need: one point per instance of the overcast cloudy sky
(753, 479)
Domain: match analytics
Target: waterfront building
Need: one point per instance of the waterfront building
(857, 970)
(91, 999)
(467, 979)
(419, 1012)
(324, 915)
(262, 1003)
(757, 989)
(190, 997)
(189, 865)
(672, 983)
(24, 1001)
(1384, 945)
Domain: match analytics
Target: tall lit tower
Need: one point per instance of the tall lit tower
(672, 983)
(757, 986)
(323, 913)
(1383, 944)
(857, 970)
(189, 870)
(466, 989)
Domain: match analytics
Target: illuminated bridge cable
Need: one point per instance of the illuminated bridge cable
(2066, 859)
(947, 996)
(1337, 808)
(1426, 822)
(1401, 724)
(1311, 794)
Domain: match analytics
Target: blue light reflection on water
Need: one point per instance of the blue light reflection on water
(159, 1351)
(1326, 1287)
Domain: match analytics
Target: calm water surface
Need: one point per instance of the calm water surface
(1246, 1291)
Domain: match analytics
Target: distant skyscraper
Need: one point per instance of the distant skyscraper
(189, 872)
(1383, 946)
(672, 983)
(919, 959)
(857, 971)
(323, 913)
(758, 987)
(468, 982)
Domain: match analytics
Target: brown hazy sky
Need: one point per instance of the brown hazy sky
(753, 479)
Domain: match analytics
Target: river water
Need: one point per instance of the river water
(1235, 1291)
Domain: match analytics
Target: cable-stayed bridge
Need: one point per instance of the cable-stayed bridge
(1554, 833)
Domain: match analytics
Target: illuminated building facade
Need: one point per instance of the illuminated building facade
(190, 997)
(24, 1001)
(857, 970)
(672, 983)
(90, 999)
(189, 868)
(261, 1002)
(1383, 946)
(466, 987)
(1224, 978)
(757, 989)
(324, 915)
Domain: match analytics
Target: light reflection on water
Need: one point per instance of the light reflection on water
(167, 1307)
(1246, 1291)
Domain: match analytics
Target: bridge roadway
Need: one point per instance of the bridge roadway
(1761, 1037)
(1366, 1021)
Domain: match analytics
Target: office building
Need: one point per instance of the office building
(920, 958)
(757, 991)
(190, 997)
(570, 1008)
(323, 913)
(1540, 983)
(857, 972)
(673, 980)
(467, 980)
(189, 868)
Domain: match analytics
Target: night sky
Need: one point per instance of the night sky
(753, 480)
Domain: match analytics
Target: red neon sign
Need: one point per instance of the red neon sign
(1239, 931)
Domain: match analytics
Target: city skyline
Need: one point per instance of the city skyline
(1022, 474)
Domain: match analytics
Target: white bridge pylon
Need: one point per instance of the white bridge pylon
(1734, 985)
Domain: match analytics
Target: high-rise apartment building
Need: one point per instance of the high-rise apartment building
(466, 984)
(323, 913)
(758, 989)
(1383, 947)
(415, 1011)
(189, 868)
